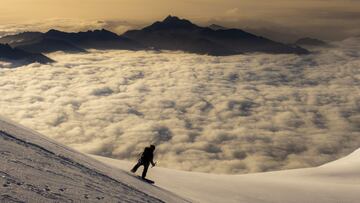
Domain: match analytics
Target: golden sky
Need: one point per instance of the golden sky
(307, 14)
(144, 9)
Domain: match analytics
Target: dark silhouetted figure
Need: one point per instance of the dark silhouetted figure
(146, 159)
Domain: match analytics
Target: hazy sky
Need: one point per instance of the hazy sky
(328, 18)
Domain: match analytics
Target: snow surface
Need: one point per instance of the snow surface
(34, 168)
(337, 182)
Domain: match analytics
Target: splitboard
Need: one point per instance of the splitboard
(146, 180)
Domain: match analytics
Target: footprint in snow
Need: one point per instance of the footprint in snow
(62, 189)
(7, 184)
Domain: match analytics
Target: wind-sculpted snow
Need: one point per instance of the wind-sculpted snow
(235, 114)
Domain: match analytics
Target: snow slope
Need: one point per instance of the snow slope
(34, 168)
(336, 182)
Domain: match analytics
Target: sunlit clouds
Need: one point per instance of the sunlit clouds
(237, 114)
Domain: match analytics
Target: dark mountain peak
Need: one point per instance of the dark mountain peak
(171, 18)
(104, 32)
(172, 23)
(52, 31)
(176, 21)
(174, 33)
(99, 31)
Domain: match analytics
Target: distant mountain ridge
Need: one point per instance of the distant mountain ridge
(97, 39)
(172, 33)
(55, 40)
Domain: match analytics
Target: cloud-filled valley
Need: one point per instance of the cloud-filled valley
(235, 114)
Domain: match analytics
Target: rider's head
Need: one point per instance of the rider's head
(152, 147)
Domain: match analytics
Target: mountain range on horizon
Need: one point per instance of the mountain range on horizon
(55, 40)
(172, 33)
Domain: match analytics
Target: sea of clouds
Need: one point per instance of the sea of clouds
(236, 114)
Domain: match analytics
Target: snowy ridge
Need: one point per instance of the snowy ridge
(34, 168)
(335, 182)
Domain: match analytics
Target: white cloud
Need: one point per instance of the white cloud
(234, 114)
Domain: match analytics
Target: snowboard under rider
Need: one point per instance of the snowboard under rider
(145, 160)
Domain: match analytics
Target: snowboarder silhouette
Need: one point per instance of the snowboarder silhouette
(146, 159)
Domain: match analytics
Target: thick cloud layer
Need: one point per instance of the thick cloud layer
(237, 114)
